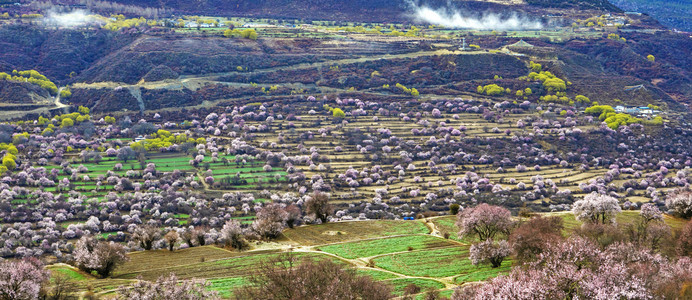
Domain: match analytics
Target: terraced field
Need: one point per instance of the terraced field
(398, 253)
(352, 231)
(376, 247)
(403, 253)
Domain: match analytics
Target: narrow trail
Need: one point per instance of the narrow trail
(433, 228)
(57, 102)
(137, 93)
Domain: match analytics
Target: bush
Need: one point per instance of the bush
(533, 237)
(338, 113)
(454, 209)
(684, 244)
(491, 90)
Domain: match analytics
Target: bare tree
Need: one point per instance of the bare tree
(286, 277)
(294, 215)
(146, 235)
(531, 238)
(61, 287)
(271, 220)
(318, 204)
(171, 238)
(684, 244)
(232, 233)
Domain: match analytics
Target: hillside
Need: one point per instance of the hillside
(672, 13)
(427, 253)
(604, 5)
(343, 150)
(358, 10)
(22, 93)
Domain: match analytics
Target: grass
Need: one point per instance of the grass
(437, 263)
(484, 273)
(444, 293)
(447, 224)
(147, 260)
(242, 265)
(226, 285)
(424, 284)
(377, 274)
(69, 271)
(352, 231)
(443, 262)
(386, 245)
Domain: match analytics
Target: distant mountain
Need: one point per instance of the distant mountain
(672, 13)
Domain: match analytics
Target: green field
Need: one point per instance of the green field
(225, 286)
(424, 284)
(383, 246)
(70, 272)
(436, 263)
(378, 249)
(353, 231)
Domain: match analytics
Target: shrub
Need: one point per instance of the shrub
(454, 208)
(338, 113)
(684, 244)
(491, 90)
(531, 238)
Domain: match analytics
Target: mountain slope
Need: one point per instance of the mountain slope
(354, 10)
(672, 13)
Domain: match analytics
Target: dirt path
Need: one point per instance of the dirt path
(14, 114)
(433, 228)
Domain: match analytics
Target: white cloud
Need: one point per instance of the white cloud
(460, 19)
(70, 19)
